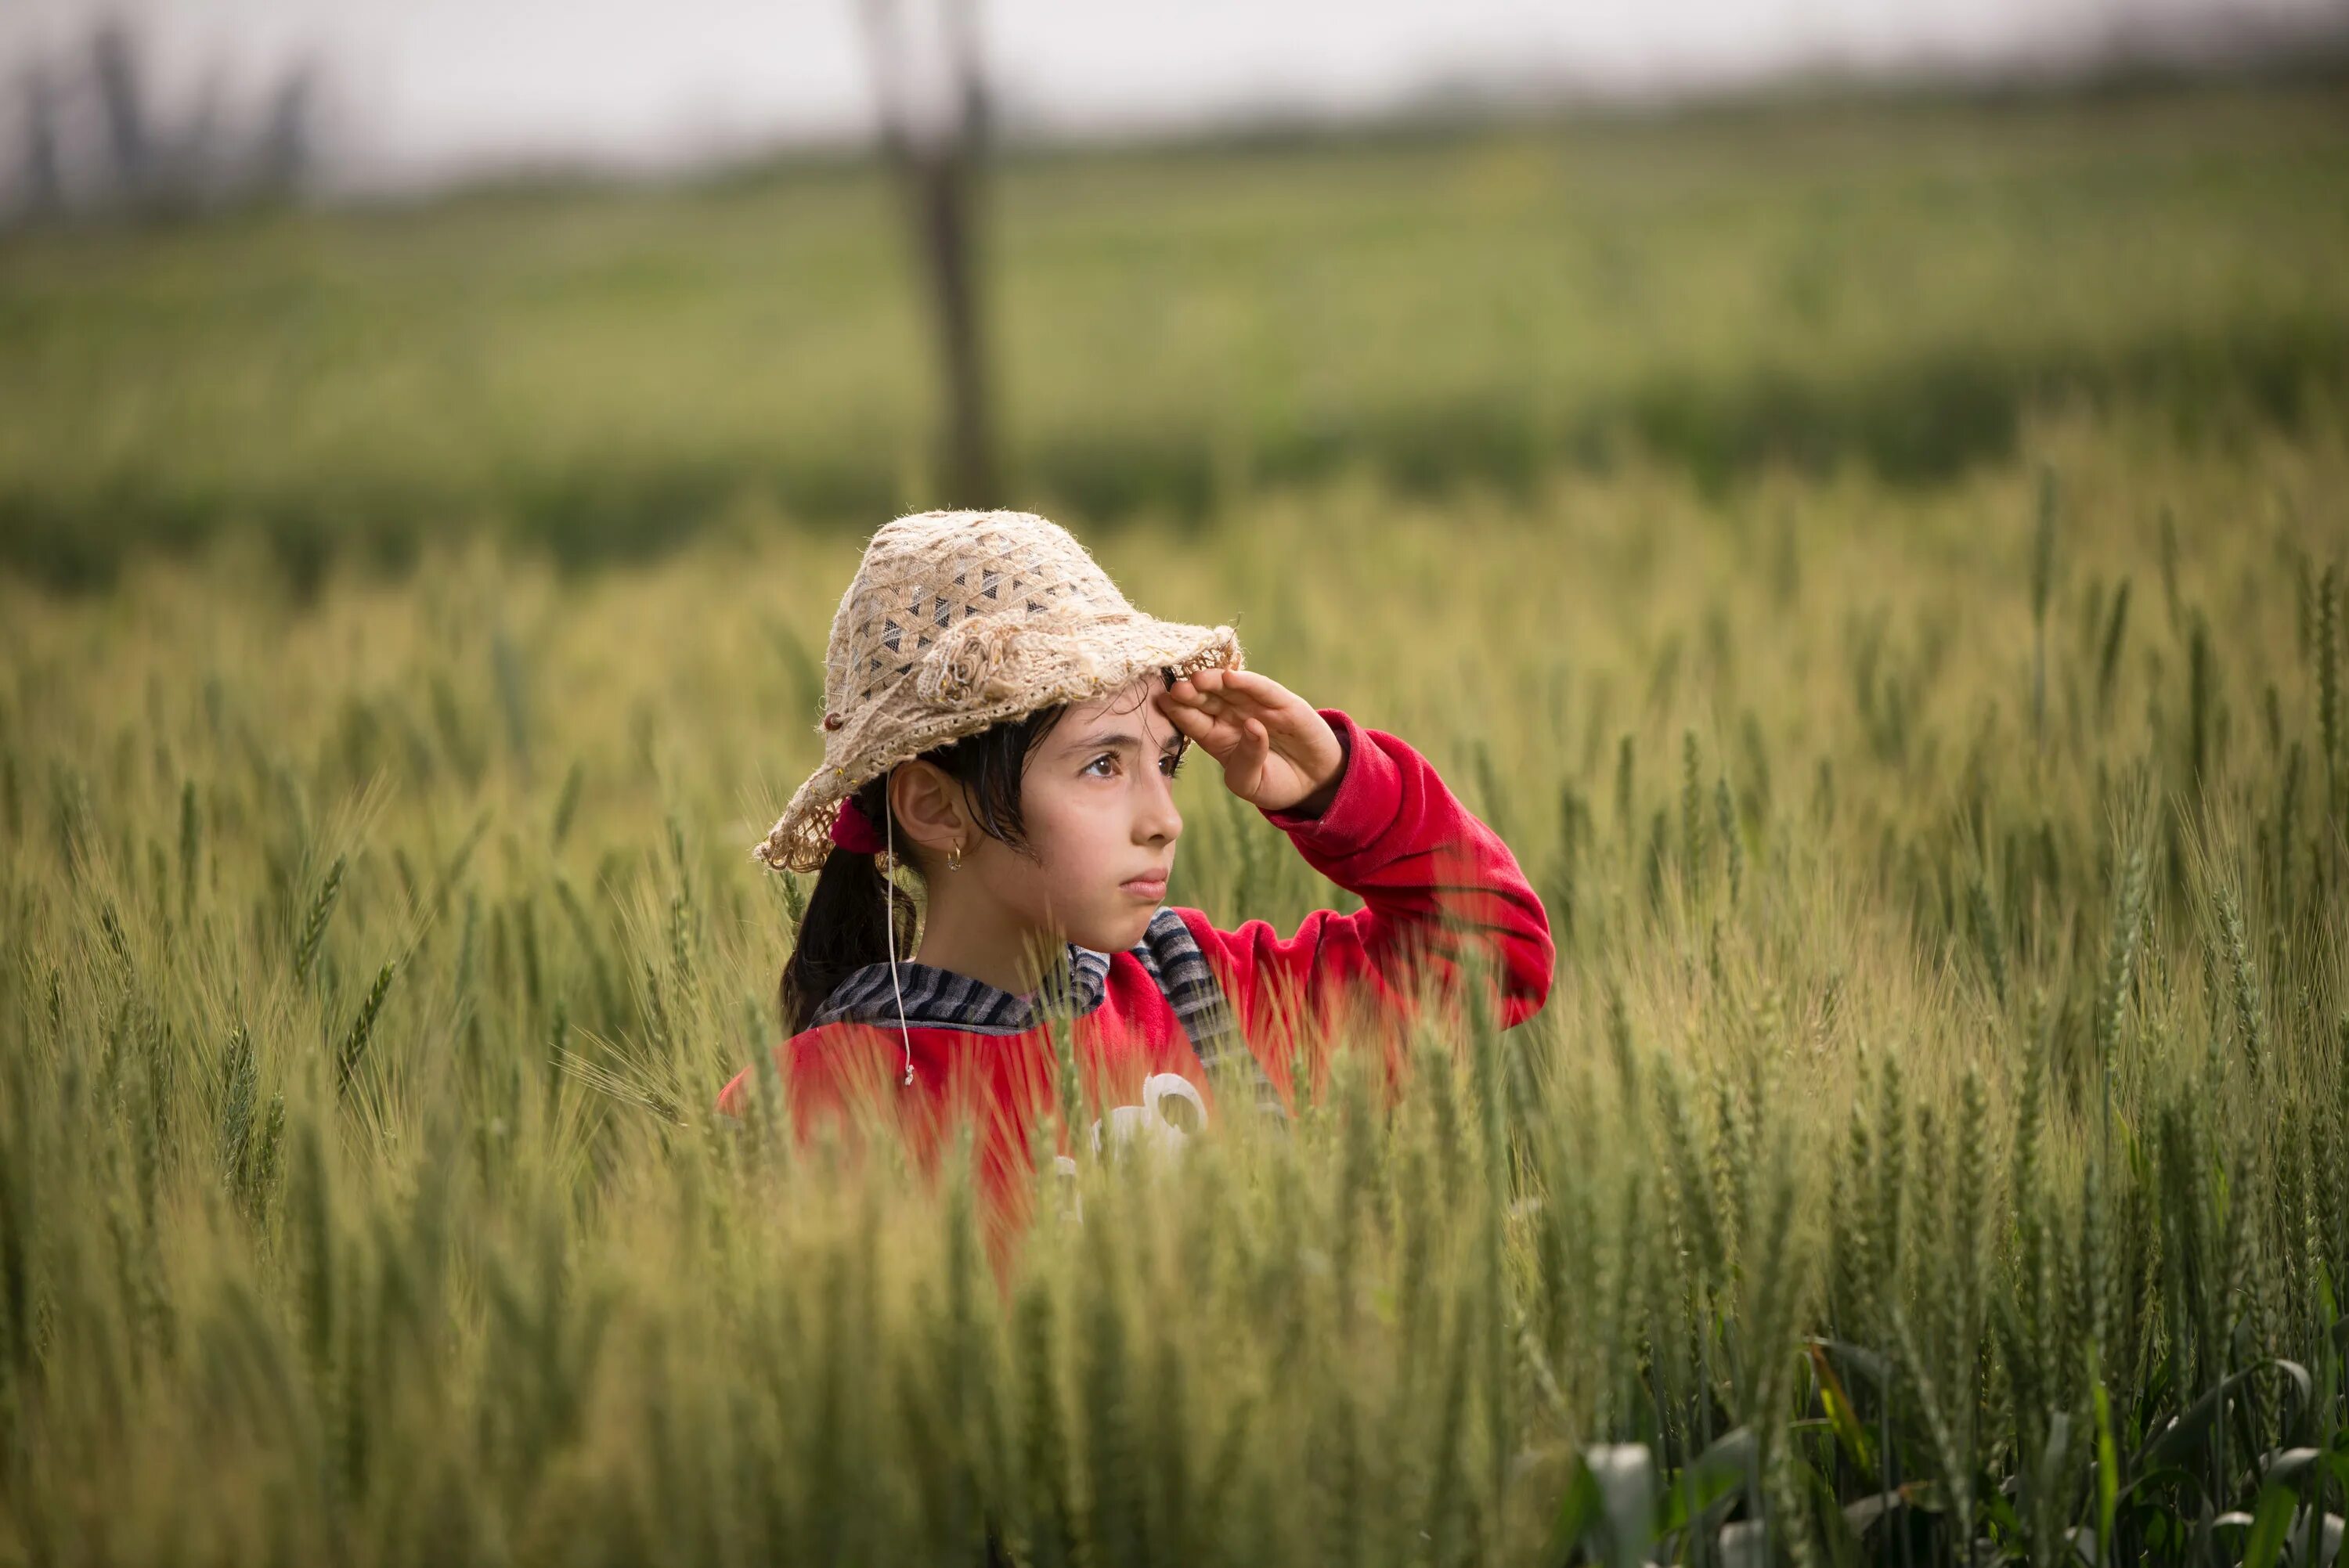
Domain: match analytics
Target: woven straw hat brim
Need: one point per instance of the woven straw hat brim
(988, 673)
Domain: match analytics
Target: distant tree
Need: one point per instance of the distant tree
(44, 177)
(939, 159)
(282, 156)
(219, 150)
(114, 66)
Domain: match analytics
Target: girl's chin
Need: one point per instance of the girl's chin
(1122, 931)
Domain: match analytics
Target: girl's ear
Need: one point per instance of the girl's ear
(931, 806)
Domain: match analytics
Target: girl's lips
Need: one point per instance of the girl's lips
(1146, 887)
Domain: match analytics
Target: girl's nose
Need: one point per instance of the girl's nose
(1158, 820)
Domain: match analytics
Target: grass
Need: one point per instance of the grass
(604, 373)
(1934, 1150)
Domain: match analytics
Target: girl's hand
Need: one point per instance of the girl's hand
(1277, 752)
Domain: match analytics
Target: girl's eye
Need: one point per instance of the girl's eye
(1171, 764)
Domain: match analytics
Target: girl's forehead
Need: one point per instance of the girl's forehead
(1131, 698)
(1128, 710)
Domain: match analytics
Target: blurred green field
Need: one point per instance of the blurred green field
(605, 373)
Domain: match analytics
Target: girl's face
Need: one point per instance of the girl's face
(1098, 802)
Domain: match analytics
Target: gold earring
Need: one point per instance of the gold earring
(954, 857)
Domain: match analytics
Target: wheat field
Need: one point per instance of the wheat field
(1935, 1148)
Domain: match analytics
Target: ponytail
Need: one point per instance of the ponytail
(843, 928)
(845, 925)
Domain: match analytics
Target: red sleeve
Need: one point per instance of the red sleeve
(1433, 879)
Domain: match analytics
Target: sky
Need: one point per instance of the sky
(421, 90)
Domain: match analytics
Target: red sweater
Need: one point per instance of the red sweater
(1431, 875)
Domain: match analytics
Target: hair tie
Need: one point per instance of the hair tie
(855, 831)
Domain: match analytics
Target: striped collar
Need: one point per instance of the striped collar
(936, 998)
(941, 999)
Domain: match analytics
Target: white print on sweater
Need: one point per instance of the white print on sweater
(1161, 1121)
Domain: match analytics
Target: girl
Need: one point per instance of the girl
(1001, 720)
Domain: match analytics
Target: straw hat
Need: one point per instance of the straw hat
(955, 621)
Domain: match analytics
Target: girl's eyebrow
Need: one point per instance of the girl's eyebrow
(1121, 740)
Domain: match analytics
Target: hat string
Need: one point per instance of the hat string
(889, 923)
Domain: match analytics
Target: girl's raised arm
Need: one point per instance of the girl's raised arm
(1434, 881)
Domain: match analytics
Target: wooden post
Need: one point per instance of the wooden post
(938, 173)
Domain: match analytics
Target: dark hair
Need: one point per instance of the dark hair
(842, 929)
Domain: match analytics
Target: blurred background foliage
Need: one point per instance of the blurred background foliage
(603, 372)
